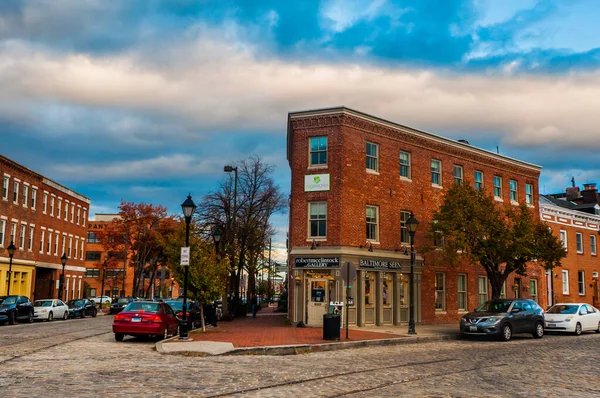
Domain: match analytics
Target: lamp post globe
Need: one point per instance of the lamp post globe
(11, 252)
(188, 207)
(63, 261)
(412, 224)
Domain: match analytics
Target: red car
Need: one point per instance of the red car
(146, 318)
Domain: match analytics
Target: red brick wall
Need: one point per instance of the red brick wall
(352, 188)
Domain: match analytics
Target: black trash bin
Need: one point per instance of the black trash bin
(331, 326)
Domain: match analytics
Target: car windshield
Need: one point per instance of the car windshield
(123, 301)
(494, 306)
(142, 306)
(176, 305)
(9, 300)
(43, 303)
(77, 302)
(563, 309)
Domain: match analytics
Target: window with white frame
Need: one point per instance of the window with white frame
(56, 237)
(579, 241)
(514, 195)
(2, 231)
(75, 247)
(478, 180)
(84, 217)
(33, 197)
(70, 247)
(483, 289)
(30, 240)
(81, 251)
(436, 172)
(49, 242)
(66, 209)
(593, 245)
(13, 232)
(529, 194)
(462, 292)
(458, 174)
(318, 151)
(372, 223)
(440, 291)
(563, 238)
(64, 240)
(581, 282)
(59, 207)
(498, 187)
(52, 198)
(404, 234)
(25, 195)
(405, 170)
(42, 233)
(317, 220)
(72, 212)
(5, 187)
(45, 202)
(15, 192)
(565, 281)
(22, 236)
(78, 216)
(372, 156)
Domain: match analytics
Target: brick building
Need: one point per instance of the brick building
(574, 217)
(44, 219)
(118, 279)
(355, 180)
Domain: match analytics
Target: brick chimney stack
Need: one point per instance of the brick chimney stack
(573, 194)
(590, 193)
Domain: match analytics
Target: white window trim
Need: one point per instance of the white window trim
(317, 238)
(565, 278)
(593, 247)
(564, 242)
(377, 157)
(409, 166)
(318, 166)
(443, 309)
(466, 292)
(441, 183)
(4, 221)
(579, 239)
(498, 197)
(583, 284)
(462, 173)
(376, 240)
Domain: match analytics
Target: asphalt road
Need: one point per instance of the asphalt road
(80, 358)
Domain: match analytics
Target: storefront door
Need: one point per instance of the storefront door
(318, 301)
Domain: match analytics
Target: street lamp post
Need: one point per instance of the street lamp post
(229, 169)
(188, 207)
(102, 288)
(411, 224)
(61, 283)
(11, 252)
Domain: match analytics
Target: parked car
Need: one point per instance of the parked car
(503, 318)
(120, 303)
(15, 308)
(81, 308)
(193, 312)
(572, 317)
(145, 318)
(48, 310)
(105, 300)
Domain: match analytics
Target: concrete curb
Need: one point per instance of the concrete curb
(298, 349)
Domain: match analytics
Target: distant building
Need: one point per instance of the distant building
(44, 219)
(355, 179)
(574, 217)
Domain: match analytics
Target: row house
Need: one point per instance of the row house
(355, 180)
(574, 217)
(43, 220)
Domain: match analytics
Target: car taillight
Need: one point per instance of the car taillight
(180, 313)
(120, 317)
(154, 319)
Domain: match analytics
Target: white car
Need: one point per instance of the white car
(573, 318)
(50, 309)
(105, 300)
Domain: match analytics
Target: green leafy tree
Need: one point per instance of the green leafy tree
(502, 239)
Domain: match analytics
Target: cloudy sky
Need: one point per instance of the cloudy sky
(147, 100)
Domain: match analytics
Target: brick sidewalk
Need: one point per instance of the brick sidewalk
(270, 329)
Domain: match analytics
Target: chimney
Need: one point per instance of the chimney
(573, 194)
(590, 193)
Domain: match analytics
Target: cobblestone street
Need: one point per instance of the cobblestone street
(80, 358)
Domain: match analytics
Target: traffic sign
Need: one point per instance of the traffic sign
(185, 256)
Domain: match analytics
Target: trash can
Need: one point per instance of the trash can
(331, 326)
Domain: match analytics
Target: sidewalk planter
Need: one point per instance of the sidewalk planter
(331, 327)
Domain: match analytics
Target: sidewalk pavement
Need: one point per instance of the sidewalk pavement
(270, 333)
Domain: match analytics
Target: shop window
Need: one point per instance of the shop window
(458, 174)
(387, 289)
(405, 171)
(352, 293)
(372, 157)
(317, 291)
(483, 289)
(369, 289)
(403, 290)
(440, 291)
(318, 151)
(462, 292)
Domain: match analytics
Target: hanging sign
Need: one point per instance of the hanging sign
(185, 256)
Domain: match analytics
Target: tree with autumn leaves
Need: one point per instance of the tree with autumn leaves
(502, 239)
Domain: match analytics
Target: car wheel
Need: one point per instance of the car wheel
(94, 313)
(166, 333)
(50, 316)
(598, 328)
(83, 313)
(539, 330)
(65, 315)
(31, 318)
(578, 329)
(506, 332)
(11, 318)
(119, 336)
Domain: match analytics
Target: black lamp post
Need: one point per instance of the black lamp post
(11, 252)
(102, 288)
(188, 207)
(229, 169)
(411, 224)
(217, 238)
(61, 283)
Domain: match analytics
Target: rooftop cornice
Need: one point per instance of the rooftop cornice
(342, 110)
